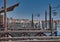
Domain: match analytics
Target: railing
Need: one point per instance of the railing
(31, 41)
(27, 31)
(32, 38)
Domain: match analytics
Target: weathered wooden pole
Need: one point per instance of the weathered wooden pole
(32, 22)
(5, 14)
(45, 19)
(50, 15)
(55, 28)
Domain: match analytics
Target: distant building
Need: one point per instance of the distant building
(1, 20)
(23, 22)
(53, 23)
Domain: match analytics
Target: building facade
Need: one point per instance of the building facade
(23, 22)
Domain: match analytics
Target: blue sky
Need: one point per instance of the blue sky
(27, 7)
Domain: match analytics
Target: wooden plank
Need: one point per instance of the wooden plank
(27, 31)
(32, 37)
